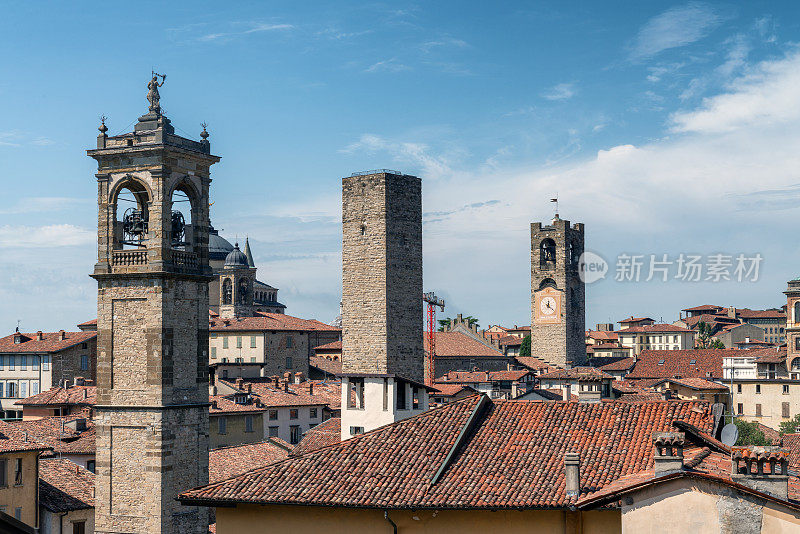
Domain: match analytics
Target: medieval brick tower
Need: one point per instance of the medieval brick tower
(152, 275)
(793, 328)
(557, 294)
(236, 286)
(382, 352)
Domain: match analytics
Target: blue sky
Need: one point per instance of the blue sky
(667, 128)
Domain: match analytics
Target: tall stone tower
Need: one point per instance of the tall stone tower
(236, 285)
(152, 276)
(793, 328)
(558, 294)
(382, 353)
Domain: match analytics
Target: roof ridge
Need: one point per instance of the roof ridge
(469, 424)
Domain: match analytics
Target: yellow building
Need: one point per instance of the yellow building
(235, 420)
(19, 474)
(693, 389)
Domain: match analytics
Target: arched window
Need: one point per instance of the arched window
(227, 291)
(131, 206)
(796, 364)
(243, 292)
(548, 282)
(797, 312)
(547, 254)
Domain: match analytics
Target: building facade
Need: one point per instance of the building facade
(152, 273)
(656, 337)
(558, 299)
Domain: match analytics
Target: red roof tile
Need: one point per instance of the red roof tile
(625, 364)
(792, 442)
(678, 363)
(226, 404)
(699, 384)
(449, 390)
(13, 439)
(65, 486)
(633, 319)
(510, 455)
(769, 354)
(704, 307)
(602, 335)
(326, 433)
(269, 321)
(227, 462)
(510, 341)
(471, 377)
(747, 313)
(333, 346)
(653, 328)
(533, 363)
(51, 342)
(456, 344)
(56, 433)
(58, 396)
(325, 393)
(579, 373)
(330, 366)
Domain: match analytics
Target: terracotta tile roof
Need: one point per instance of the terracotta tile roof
(644, 396)
(92, 322)
(454, 344)
(226, 404)
(510, 455)
(690, 363)
(699, 384)
(654, 328)
(55, 433)
(770, 433)
(533, 363)
(602, 335)
(65, 486)
(579, 373)
(747, 313)
(58, 396)
(792, 442)
(330, 366)
(227, 462)
(13, 439)
(633, 319)
(326, 433)
(704, 307)
(510, 341)
(270, 321)
(625, 364)
(471, 377)
(51, 342)
(769, 354)
(333, 346)
(325, 393)
(626, 386)
(713, 320)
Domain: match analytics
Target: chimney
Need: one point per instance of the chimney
(79, 381)
(764, 469)
(214, 390)
(262, 372)
(85, 394)
(299, 378)
(667, 452)
(275, 381)
(25, 437)
(62, 335)
(214, 404)
(39, 335)
(311, 388)
(239, 382)
(249, 388)
(286, 386)
(572, 474)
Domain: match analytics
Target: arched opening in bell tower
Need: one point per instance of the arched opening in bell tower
(547, 254)
(183, 212)
(130, 205)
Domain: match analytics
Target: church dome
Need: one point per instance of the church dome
(236, 258)
(218, 246)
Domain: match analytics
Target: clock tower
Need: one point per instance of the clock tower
(557, 294)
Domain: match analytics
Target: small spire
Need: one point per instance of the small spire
(248, 253)
(204, 133)
(103, 128)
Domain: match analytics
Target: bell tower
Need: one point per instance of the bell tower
(236, 285)
(558, 294)
(152, 277)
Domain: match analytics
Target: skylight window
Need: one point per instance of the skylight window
(692, 362)
(660, 362)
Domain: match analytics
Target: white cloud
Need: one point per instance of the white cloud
(678, 26)
(251, 27)
(54, 235)
(444, 42)
(416, 154)
(387, 65)
(561, 91)
(766, 95)
(43, 204)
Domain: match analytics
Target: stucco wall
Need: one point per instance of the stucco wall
(301, 519)
(771, 400)
(13, 496)
(235, 430)
(50, 521)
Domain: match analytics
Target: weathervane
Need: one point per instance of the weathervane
(555, 200)
(152, 91)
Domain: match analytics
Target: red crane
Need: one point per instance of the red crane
(432, 302)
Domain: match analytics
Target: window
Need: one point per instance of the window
(288, 362)
(35, 363)
(3, 471)
(758, 410)
(289, 342)
(660, 362)
(79, 527)
(355, 430)
(273, 431)
(91, 465)
(758, 389)
(252, 359)
(18, 513)
(84, 362)
(11, 390)
(248, 423)
(273, 415)
(385, 394)
(312, 413)
(415, 402)
(213, 335)
(252, 342)
(238, 342)
(740, 409)
(23, 362)
(46, 362)
(34, 387)
(18, 472)
(355, 397)
(401, 395)
(294, 434)
(225, 342)
(785, 410)
(23, 389)
(293, 413)
(213, 352)
(738, 388)
(222, 425)
(692, 362)
(2, 362)
(11, 360)
(786, 389)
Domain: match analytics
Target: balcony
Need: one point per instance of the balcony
(185, 260)
(126, 258)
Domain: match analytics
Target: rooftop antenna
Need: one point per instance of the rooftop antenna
(555, 201)
(18, 321)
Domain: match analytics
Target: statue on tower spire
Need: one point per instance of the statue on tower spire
(152, 92)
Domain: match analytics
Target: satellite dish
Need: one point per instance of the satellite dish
(730, 433)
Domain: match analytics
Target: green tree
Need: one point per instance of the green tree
(791, 426)
(444, 323)
(749, 434)
(525, 348)
(705, 337)
(716, 344)
(470, 320)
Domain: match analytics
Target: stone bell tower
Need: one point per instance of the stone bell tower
(152, 276)
(558, 294)
(236, 286)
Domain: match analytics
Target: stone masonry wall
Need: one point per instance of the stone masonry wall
(561, 344)
(382, 275)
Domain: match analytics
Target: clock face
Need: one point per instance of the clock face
(547, 305)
